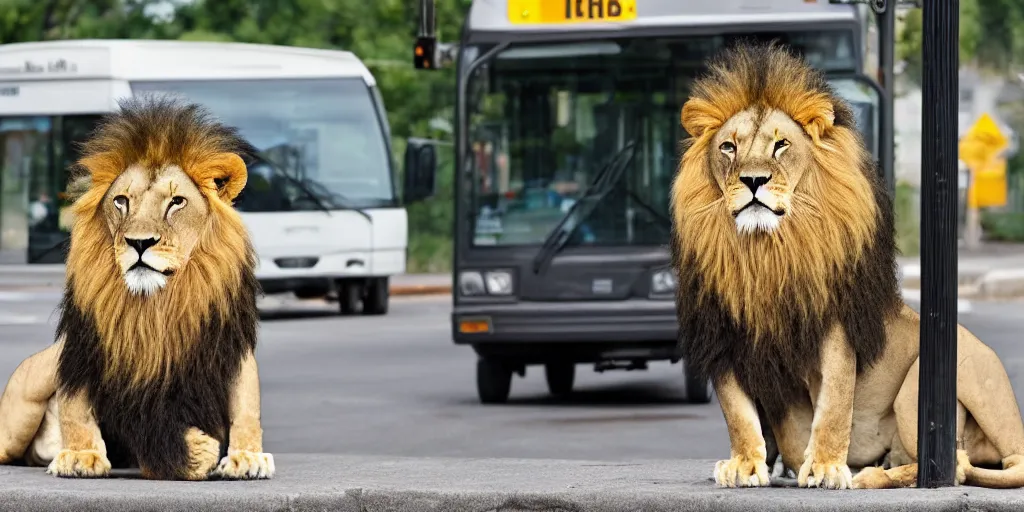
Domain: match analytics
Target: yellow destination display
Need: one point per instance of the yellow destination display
(570, 11)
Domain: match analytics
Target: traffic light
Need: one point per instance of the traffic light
(424, 53)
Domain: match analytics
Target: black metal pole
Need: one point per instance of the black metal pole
(886, 59)
(936, 416)
(427, 21)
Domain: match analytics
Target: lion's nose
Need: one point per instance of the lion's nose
(141, 244)
(754, 182)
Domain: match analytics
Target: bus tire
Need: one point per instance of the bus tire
(560, 378)
(698, 390)
(350, 294)
(378, 294)
(493, 380)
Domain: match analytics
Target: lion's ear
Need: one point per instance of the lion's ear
(817, 116)
(227, 173)
(699, 116)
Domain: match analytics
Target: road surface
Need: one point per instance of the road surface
(397, 386)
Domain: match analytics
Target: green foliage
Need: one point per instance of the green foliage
(991, 36)
(908, 232)
(1003, 226)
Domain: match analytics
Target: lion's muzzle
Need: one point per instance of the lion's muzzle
(756, 208)
(145, 269)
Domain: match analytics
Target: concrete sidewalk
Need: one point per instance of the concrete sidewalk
(357, 483)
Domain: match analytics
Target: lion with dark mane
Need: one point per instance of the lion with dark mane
(154, 361)
(788, 299)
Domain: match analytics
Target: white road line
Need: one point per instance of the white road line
(8, 319)
(29, 296)
(962, 305)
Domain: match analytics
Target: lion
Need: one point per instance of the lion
(788, 298)
(153, 365)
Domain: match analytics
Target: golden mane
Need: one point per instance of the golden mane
(757, 307)
(143, 336)
(834, 209)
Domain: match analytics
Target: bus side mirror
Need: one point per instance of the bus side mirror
(420, 170)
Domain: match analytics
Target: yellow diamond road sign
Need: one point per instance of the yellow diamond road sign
(982, 142)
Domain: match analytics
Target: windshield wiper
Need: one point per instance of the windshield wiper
(280, 171)
(603, 183)
(302, 185)
(337, 199)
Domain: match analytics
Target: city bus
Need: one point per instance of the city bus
(567, 138)
(320, 202)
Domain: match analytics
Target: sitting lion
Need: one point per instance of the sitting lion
(788, 297)
(154, 361)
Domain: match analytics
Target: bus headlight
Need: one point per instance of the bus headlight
(471, 283)
(663, 282)
(499, 282)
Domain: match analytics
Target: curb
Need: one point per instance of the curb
(992, 285)
(441, 289)
(315, 482)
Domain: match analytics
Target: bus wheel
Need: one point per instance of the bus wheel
(697, 390)
(493, 380)
(560, 377)
(377, 295)
(350, 294)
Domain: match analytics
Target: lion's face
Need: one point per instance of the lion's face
(757, 158)
(156, 218)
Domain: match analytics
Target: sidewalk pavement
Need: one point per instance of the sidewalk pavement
(358, 483)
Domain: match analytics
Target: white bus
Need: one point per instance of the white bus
(321, 201)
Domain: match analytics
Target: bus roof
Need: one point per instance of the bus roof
(494, 15)
(134, 59)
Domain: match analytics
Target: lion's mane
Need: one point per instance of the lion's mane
(760, 306)
(154, 366)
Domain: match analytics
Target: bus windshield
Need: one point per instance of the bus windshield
(543, 119)
(322, 141)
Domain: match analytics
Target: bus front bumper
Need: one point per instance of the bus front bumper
(637, 321)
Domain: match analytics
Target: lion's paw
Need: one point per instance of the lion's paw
(79, 464)
(834, 475)
(245, 465)
(741, 471)
(963, 465)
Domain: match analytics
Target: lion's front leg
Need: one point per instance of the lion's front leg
(245, 458)
(746, 466)
(84, 453)
(24, 402)
(825, 458)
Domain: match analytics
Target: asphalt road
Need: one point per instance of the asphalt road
(397, 386)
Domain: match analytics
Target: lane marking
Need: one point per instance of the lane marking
(7, 319)
(29, 296)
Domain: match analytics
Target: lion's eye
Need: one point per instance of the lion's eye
(121, 202)
(727, 147)
(177, 203)
(780, 145)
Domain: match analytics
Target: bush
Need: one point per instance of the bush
(1003, 226)
(906, 211)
